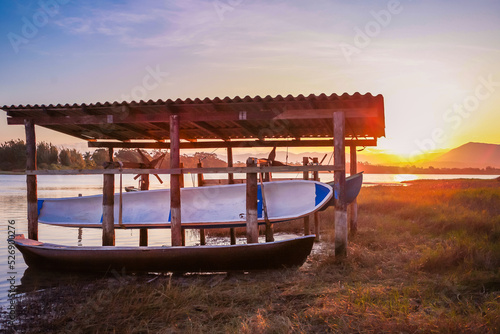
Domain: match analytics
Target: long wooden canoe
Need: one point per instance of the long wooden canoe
(202, 207)
(241, 257)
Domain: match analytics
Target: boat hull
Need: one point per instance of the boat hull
(353, 186)
(242, 257)
(202, 207)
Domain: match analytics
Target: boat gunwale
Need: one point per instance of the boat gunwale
(24, 242)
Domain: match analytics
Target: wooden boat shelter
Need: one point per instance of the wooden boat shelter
(293, 121)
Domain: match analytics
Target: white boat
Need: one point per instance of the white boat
(201, 207)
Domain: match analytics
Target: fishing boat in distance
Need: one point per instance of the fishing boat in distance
(241, 257)
(202, 207)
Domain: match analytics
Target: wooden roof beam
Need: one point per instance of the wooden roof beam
(247, 143)
(192, 117)
(144, 133)
(105, 132)
(210, 129)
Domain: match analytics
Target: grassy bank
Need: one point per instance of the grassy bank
(426, 259)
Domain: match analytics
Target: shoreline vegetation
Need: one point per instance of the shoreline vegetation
(13, 161)
(426, 258)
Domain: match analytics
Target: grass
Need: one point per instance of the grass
(426, 259)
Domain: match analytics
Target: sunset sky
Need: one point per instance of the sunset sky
(437, 63)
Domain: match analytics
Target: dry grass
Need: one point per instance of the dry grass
(426, 259)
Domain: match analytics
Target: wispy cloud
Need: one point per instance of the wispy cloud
(150, 24)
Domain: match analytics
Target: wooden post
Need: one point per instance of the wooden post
(110, 154)
(307, 228)
(108, 203)
(143, 232)
(31, 181)
(200, 176)
(339, 175)
(202, 237)
(316, 214)
(353, 207)
(268, 177)
(144, 182)
(252, 223)
(181, 185)
(230, 180)
(181, 177)
(230, 176)
(200, 184)
(175, 189)
(232, 235)
(269, 226)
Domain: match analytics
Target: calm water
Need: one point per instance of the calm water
(13, 214)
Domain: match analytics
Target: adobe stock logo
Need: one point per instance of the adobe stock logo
(224, 6)
(153, 78)
(373, 28)
(31, 25)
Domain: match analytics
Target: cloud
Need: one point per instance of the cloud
(250, 28)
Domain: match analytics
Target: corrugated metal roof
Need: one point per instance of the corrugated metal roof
(226, 119)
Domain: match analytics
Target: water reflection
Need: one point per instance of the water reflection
(405, 177)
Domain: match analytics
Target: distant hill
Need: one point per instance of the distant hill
(470, 155)
(475, 155)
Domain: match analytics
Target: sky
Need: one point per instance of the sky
(435, 62)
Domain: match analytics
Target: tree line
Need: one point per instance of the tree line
(49, 156)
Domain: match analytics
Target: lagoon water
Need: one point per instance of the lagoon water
(13, 214)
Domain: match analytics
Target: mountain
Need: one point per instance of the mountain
(475, 155)
(470, 155)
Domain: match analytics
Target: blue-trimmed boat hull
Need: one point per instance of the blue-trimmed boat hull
(202, 207)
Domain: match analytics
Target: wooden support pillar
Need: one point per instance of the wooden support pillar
(143, 237)
(307, 228)
(143, 232)
(110, 154)
(230, 180)
(316, 214)
(181, 185)
(232, 235)
(252, 223)
(201, 180)
(269, 226)
(268, 177)
(181, 177)
(144, 183)
(202, 237)
(339, 175)
(31, 180)
(353, 207)
(230, 176)
(108, 204)
(175, 189)
(200, 184)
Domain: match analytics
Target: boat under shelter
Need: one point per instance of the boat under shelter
(337, 121)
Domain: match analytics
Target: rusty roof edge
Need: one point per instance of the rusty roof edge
(206, 100)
